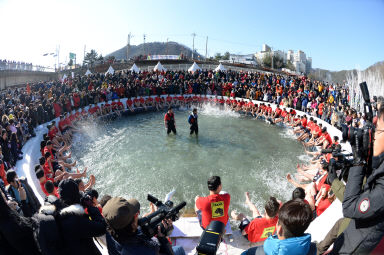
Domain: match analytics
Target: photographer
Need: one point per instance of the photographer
(22, 193)
(363, 204)
(122, 217)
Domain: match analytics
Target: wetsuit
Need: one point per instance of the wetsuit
(169, 118)
(192, 120)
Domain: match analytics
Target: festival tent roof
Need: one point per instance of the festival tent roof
(88, 72)
(159, 67)
(220, 68)
(135, 68)
(194, 68)
(110, 70)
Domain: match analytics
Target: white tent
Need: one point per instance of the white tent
(135, 68)
(159, 67)
(220, 68)
(88, 72)
(110, 70)
(194, 68)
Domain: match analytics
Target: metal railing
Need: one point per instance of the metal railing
(17, 66)
(184, 67)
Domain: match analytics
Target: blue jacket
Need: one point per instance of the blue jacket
(192, 119)
(294, 245)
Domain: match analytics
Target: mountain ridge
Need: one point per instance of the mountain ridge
(340, 76)
(154, 48)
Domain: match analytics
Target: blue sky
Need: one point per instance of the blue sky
(338, 34)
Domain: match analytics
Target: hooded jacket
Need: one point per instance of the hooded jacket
(294, 245)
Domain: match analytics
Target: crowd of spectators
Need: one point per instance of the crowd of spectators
(15, 65)
(74, 205)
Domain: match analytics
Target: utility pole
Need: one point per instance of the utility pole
(128, 45)
(85, 48)
(206, 48)
(58, 57)
(144, 45)
(167, 47)
(272, 56)
(193, 44)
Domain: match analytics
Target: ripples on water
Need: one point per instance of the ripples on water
(132, 156)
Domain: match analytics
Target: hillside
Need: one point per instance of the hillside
(340, 76)
(154, 48)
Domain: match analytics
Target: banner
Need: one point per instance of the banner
(159, 57)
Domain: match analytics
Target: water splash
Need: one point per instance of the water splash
(304, 157)
(288, 133)
(216, 111)
(375, 83)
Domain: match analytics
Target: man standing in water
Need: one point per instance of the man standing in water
(169, 121)
(192, 120)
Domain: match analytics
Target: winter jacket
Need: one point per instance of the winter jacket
(365, 208)
(74, 228)
(78, 230)
(274, 246)
(16, 232)
(295, 245)
(141, 244)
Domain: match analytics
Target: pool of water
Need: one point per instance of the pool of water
(132, 156)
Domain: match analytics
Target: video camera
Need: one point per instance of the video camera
(361, 139)
(149, 224)
(340, 161)
(211, 238)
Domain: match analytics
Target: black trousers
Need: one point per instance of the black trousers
(171, 127)
(194, 128)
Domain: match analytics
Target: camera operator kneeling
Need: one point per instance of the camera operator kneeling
(122, 217)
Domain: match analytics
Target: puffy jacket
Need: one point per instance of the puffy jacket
(75, 228)
(365, 207)
(78, 230)
(294, 245)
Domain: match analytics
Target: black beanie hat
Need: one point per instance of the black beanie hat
(69, 192)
